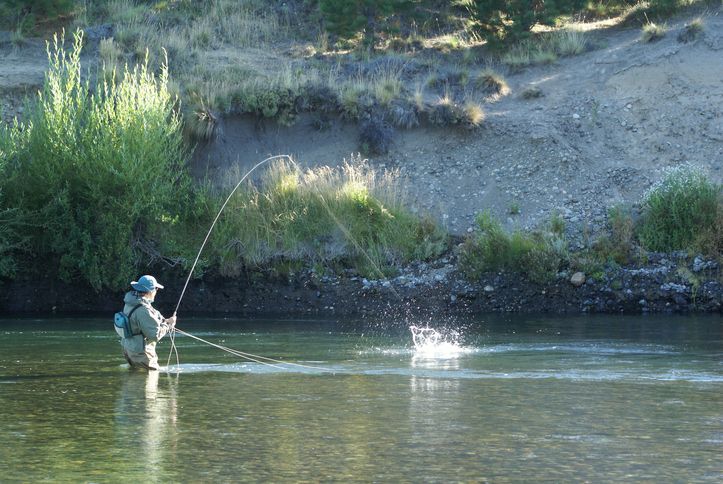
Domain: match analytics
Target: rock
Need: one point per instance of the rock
(578, 279)
(699, 264)
(673, 287)
(489, 288)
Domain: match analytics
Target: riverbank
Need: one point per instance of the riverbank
(667, 283)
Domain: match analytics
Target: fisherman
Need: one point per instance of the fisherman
(147, 324)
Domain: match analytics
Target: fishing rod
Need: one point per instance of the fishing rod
(198, 256)
(344, 229)
(205, 240)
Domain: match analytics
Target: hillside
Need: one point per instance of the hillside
(605, 124)
(467, 127)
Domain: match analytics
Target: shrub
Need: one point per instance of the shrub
(539, 254)
(678, 209)
(532, 92)
(652, 31)
(24, 14)
(375, 136)
(10, 218)
(95, 169)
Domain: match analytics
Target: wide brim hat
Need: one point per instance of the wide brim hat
(146, 284)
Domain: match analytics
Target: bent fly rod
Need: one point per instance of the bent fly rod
(198, 256)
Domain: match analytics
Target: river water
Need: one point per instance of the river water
(498, 399)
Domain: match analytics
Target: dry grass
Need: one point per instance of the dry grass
(491, 81)
(546, 48)
(473, 114)
(652, 32)
(109, 52)
(691, 31)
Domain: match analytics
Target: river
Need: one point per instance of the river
(498, 399)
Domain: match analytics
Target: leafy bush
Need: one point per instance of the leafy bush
(679, 210)
(539, 254)
(10, 218)
(94, 169)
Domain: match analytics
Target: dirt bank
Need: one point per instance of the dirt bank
(667, 283)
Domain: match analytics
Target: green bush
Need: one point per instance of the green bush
(94, 169)
(10, 218)
(539, 254)
(680, 209)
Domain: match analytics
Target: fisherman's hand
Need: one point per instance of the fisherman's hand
(171, 321)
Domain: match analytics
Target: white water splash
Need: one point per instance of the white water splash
(430, 343)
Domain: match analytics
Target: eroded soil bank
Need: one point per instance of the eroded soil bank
(671, 283)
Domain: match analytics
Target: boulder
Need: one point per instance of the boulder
(578, 279)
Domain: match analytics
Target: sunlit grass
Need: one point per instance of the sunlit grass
(652, 31)
(545, 48)
(490, 80)
(322, 215)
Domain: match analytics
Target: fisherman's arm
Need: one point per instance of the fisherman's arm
(154, 326)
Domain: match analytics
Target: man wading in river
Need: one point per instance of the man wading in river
(147, 324)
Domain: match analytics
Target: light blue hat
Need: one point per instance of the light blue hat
(146, 284)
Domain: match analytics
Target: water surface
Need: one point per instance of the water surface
(499, 399)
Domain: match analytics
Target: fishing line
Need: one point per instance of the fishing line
(205, 240)
(250, 356)
(253, 357)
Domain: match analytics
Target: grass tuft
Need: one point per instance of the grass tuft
(545, 48)
(321, 216)
(691, 31)
(490, 81)
(473, 114)
(652, 32)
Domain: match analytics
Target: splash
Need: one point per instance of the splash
(430, 343)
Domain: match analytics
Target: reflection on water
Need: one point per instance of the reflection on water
(146, 414)
(556, 400)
